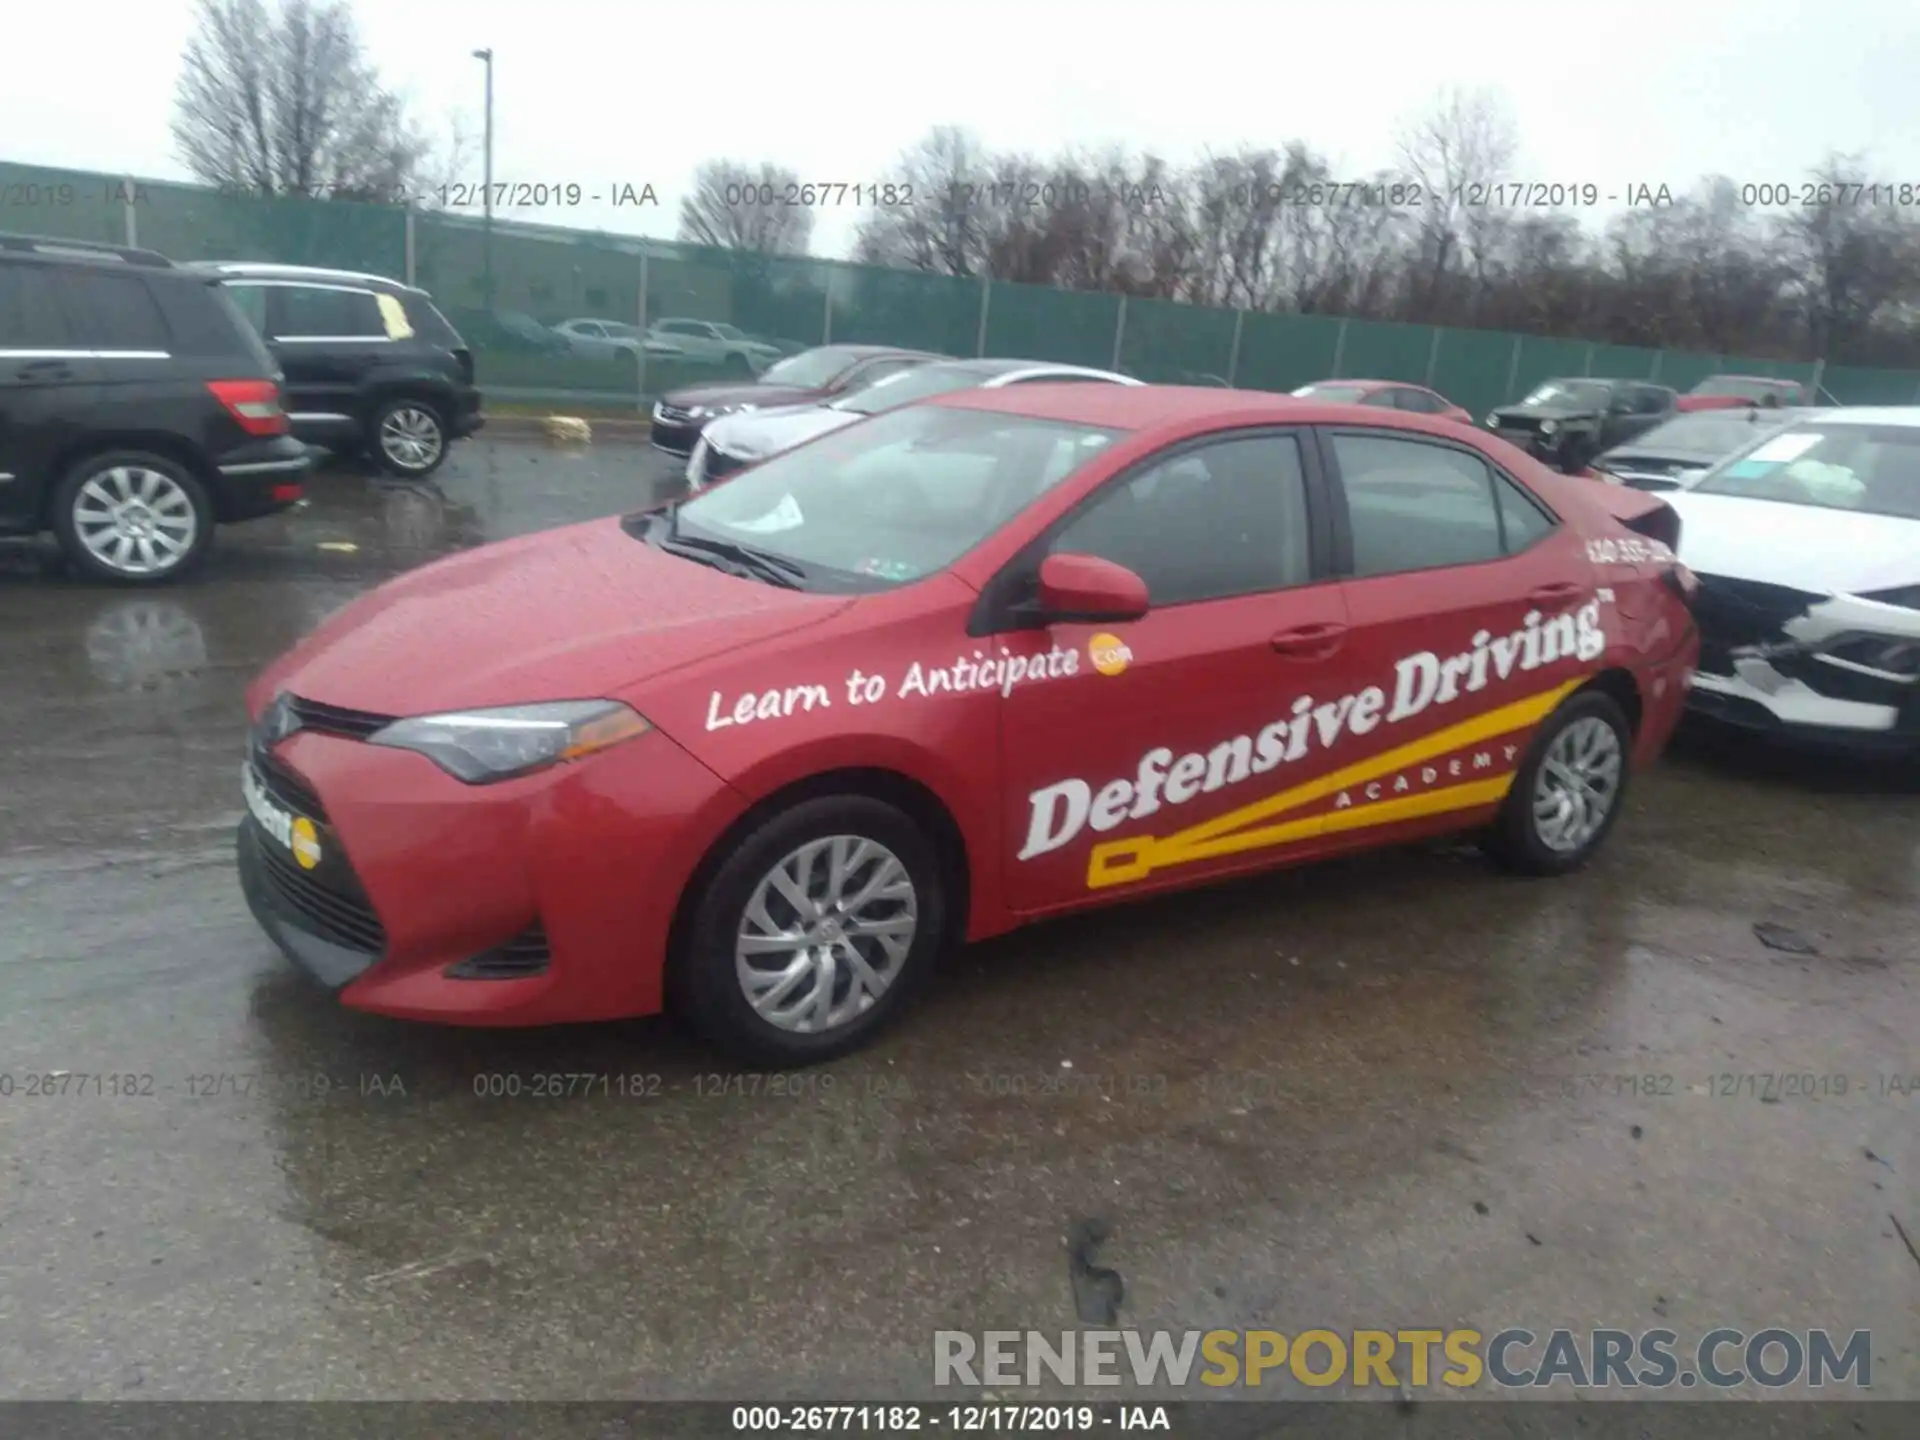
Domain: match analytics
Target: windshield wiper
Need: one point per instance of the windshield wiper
(757, 564)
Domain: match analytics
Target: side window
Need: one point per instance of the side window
(111, 312)
(30, 317)
(1653, 400)
(311, 313)
(251, 301)
(1523, 523)
(1380, 399)
(1224, 519)
(1416, 506)
(1418, 401)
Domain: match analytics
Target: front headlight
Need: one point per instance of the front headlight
(698, 412)
(482, 746)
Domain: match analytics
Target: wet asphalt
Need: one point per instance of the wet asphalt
(1398, 1091)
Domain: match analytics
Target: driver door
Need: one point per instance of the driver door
(1147, 769)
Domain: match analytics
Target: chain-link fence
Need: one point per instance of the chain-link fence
(556, 314)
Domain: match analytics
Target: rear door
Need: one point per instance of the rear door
(45, 374)
(328, 340)
(1473, 608)
(1166, 759)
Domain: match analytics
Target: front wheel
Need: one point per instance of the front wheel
(812, 932)
(132, 517)
(409, 438)
(1568, 791)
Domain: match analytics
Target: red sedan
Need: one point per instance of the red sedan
(762, 754)
(1387, 395)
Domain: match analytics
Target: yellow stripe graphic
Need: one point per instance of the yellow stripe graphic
(1119, 862)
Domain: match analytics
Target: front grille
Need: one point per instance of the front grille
(1732, 613)
(288, 790)
(1517, 424)
(327, 913)
(337, 719)
(526, 954)
(674, 415)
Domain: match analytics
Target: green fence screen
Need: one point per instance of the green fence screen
(513, 287)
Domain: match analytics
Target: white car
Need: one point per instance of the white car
(610, 339)
(735, 441)
(711, 342)
(1807, 549)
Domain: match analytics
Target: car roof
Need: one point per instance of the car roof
(1371, 384)
(1145, 407)
(1757, 379)
(999, 365)
(264, 270)
(1902, 415)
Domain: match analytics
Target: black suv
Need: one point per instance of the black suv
(137, 409)
(372, 368)
(1568, 422)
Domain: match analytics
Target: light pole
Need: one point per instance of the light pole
(486, 198)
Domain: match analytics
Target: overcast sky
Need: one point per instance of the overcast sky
(608, 92)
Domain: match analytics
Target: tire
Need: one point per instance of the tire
(1522, 836)
(706, 984)
(408, 437)
(107, 505)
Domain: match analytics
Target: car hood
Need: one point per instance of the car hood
(1804, 547)
(768, 432)
(575, 613)
(760, 396)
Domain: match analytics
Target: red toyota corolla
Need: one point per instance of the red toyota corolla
(760, 755)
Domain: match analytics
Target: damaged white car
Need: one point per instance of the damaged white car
(1807, 548)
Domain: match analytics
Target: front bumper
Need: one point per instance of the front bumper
(541, 900)
(674, 430)
(1766, 666)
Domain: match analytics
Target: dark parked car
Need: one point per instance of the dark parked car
(1671, 454)
(810, 378)
(371, 366)
(1734, 392)
(1568, 422)
(512, 331)
(138, 409)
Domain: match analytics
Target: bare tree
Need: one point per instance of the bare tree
(1463, 143)
(947, 210)
(282, 100)
(747, 207)
(1855, 260)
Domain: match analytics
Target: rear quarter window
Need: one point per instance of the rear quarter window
(207, 323)
(429, 324)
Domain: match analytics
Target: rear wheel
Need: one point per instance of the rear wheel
(132, 517)
(409, 438)
(1568, 791)
(812, 932)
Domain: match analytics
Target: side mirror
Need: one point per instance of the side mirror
(1089, 590)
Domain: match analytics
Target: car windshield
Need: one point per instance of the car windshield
(1746, 389)
(1871, 468)
(1569, 392)
(905, 386)
(808, 370)
(888, 501)
(1338, 394)
(1705, 433)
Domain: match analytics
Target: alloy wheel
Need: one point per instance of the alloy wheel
(410, 437)
(825, 933)
(1577, 784)
(135, 520)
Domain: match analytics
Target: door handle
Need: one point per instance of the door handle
(1555, 592)
(1311, 642)
(44, 370)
